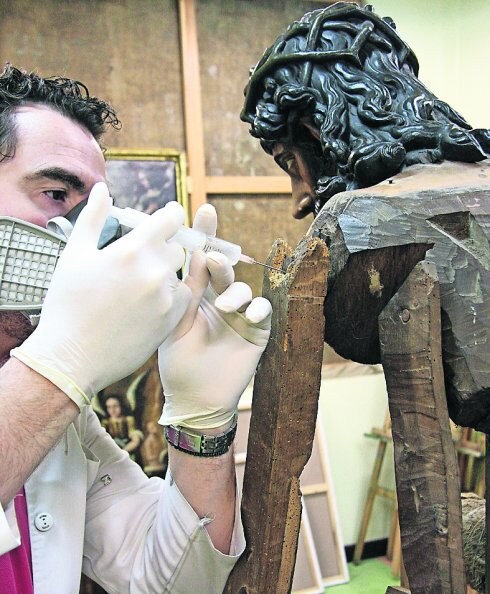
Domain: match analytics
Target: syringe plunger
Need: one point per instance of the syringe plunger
(189, 239)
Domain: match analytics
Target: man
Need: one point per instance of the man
(66, 489)
(392, 174)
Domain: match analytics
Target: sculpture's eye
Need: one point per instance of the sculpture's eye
(289, 163)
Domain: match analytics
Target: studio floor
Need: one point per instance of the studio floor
(371, 576)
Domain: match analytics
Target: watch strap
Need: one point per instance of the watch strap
(196, 444)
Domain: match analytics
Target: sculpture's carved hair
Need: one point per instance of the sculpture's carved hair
(349, 73)
(71, 98)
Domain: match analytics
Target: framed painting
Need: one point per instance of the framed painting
(129, 409)
(147, 180)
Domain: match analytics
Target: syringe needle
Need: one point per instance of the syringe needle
(250, 260)
(270, 267)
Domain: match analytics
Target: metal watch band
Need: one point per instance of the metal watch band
(196, 444)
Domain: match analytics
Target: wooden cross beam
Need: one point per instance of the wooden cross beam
(282, 426)
(425, 459)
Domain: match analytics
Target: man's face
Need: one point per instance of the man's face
(56, 163)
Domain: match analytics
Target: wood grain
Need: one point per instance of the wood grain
(425, 459)
(282, 426)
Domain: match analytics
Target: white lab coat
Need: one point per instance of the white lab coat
(136, 535)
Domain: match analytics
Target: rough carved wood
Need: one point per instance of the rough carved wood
(282, 426)
(425, 459)
(376, 235)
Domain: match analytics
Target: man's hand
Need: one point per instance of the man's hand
(207, 362)
(106, 311)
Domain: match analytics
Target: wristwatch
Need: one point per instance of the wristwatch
(196, 444)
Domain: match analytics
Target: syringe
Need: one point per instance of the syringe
(190, 239)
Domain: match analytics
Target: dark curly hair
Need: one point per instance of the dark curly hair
(70, 97)
(347, 71)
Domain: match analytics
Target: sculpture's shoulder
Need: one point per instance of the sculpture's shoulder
(376, 236)
(434, 177)
(420, 190)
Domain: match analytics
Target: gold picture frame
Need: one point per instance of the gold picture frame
(147, 179)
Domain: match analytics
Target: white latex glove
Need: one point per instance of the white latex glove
(106, 311)
(207, 363)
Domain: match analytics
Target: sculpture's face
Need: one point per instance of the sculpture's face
(303, 161)
(292, 160)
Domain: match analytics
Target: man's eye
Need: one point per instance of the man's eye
(58, 195)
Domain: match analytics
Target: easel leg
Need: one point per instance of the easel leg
(425, 460)
(373, 487)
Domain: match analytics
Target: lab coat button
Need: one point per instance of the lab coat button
(44, 522)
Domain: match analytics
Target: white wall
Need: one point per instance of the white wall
(451, 39)
(351, 406)
(452, 42)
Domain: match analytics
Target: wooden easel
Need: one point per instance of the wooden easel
(470, 448)
(383, 435)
